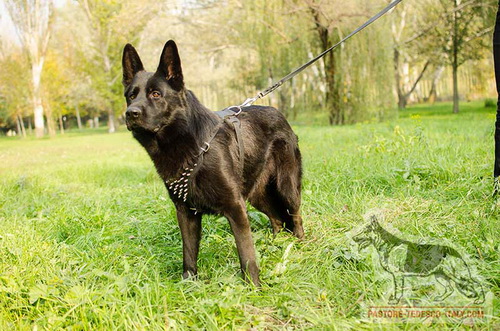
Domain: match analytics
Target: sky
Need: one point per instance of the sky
(6, 28)
(7, 31)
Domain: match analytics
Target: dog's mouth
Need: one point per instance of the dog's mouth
(137, 126)
(362, 242)
(133, 125)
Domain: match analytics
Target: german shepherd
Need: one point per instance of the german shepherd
(403, 259)
(173, 127)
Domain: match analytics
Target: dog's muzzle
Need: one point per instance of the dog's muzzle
(131, 116)
(132, 112)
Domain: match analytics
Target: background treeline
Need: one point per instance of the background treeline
(61, 61)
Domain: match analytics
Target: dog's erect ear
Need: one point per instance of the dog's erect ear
(170, 66)
(131, 63)
(373, 223)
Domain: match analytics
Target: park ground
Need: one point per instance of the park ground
(89, 241)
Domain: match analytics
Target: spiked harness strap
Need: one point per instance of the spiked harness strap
(179, 186)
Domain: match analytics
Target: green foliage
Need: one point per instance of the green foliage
(473, 19)
(14, 89)
(232, 49)
(88, 237)
(111, 24)
(490, 103)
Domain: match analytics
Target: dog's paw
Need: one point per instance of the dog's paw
(190, 274)
(393, 300)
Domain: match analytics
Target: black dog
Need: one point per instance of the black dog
(198, 156)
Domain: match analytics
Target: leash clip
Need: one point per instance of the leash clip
(248, 102)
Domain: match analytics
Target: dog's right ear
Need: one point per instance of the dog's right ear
(131, 63)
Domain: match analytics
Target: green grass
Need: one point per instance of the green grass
(89, 241)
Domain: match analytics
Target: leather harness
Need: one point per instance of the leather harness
(179, 186)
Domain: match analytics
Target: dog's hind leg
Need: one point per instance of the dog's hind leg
(190, 225)
(288, 185)
(238, 219)
(263, 201)
(444, 281)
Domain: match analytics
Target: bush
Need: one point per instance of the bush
(490, 103)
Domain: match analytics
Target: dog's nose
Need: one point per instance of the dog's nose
(133, 112)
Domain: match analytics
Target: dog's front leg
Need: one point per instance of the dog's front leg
(190, 225)
(240, 226)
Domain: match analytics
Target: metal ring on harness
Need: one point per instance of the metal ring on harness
(206, 147)
(236, 113)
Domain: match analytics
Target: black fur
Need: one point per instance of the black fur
(171, 124)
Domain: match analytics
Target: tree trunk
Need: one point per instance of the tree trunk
(332, 95)
(18, 126)
(23, 128)
(51, 125)
(456, 101)
(403, 96)
(38, 117)
(30, 127)
(61, 124)
(78, 118)
(415, 84)
(433, 93)
(455, 60)
(96, 122)
(36, 71)
(111, 121)
(397, 76)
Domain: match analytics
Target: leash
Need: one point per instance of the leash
(260, 95)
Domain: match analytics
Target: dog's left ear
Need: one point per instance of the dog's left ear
(170, 66)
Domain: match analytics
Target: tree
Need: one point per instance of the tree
(32, 20)
(112, 23)
(14, 97)
(403, 28)
(326, 24)
(454, 32)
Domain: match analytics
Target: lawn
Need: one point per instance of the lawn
(89, 241)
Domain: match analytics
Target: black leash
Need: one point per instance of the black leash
(273, 87)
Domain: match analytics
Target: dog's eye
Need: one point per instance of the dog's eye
(132, 97)
(155, 94)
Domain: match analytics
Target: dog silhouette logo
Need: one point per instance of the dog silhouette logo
(404, 259)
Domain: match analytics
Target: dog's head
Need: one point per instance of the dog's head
(368, 235)
(152, 98)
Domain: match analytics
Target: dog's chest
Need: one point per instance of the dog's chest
(179, 187)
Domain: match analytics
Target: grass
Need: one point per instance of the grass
(89, 241)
